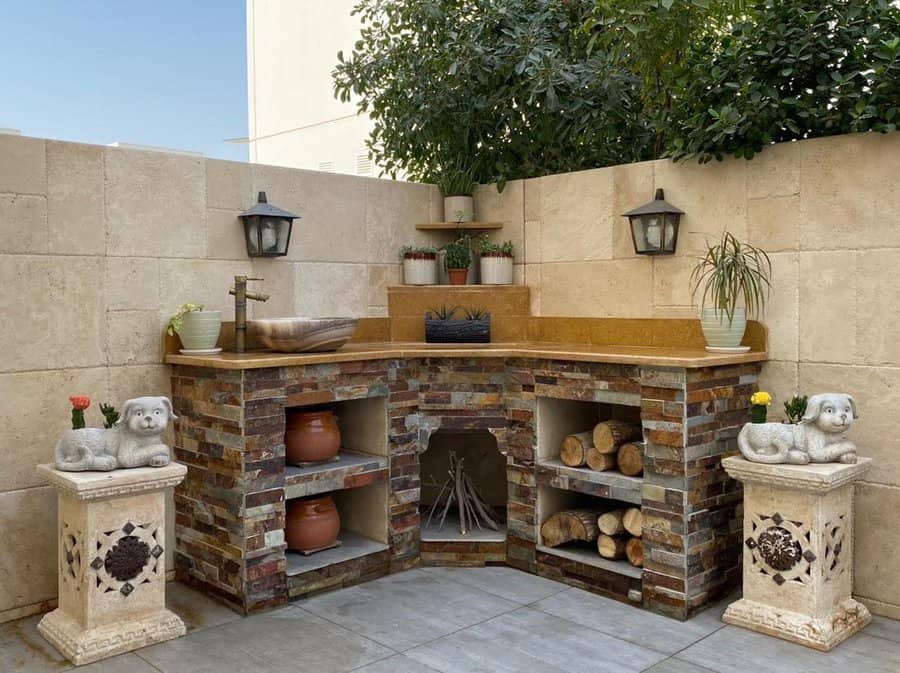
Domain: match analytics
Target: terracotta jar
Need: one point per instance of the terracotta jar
(312, 523)
(311, 436)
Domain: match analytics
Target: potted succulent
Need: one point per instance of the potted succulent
(496, 262)
(730, 273)
(457, 184)
(442, 328)
(197, 328)
(457, 258)
(419, 265)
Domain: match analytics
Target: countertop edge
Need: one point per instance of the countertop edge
(543, 351)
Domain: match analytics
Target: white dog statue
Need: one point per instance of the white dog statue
(133, 442)
(818, 438)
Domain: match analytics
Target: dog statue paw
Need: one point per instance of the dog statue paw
(135, 441)
(818, 438)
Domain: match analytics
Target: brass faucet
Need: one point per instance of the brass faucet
(240, 309)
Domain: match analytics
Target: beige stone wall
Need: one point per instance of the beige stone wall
(825, 209)
(100, 245)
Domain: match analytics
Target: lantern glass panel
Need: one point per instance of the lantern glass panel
(252, 236)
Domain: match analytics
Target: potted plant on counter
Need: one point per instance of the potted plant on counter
(419, 265)
(197, 328)
(730, 273)
(496, 261)
(458, 257)
(457, 184)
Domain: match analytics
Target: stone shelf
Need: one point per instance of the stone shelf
(450, 531)
(351, 470)
(353, 546)
(591, 558)
(452, 226)
(610, 484)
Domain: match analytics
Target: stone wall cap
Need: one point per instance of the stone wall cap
(811, 477)
(96, 485)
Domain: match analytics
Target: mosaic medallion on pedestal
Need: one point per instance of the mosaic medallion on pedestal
(128, 557)
(780, 548)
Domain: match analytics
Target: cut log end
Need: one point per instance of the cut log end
(633, 521)
(611, 523)
(573, 451)
(570, 525)
(634, 552)
(610, 435)
(600, 461)
(631, 459)
(610, 547)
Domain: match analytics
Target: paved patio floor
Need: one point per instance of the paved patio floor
(458, 620)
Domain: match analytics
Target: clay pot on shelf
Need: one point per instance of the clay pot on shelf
(312, 523)
(311, 435)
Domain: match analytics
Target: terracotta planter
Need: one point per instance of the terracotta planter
(457, 276)
(311, 436)
(312, 523)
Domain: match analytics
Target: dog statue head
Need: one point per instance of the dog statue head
(147, 415)
(830, 412)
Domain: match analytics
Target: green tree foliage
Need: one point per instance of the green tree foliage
(521, 88)
(789, 70)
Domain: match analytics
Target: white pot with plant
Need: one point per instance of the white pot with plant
(198, 329)
(419, 265)
(496, 262)
(457, 184)
(729, 274)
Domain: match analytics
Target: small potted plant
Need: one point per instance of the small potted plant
(496, 262)
(457, 258)
(442, 328)
(197, 328)
(730, 273)
(457, 184)
(419, 265)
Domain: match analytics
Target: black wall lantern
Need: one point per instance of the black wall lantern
(268, 229)
(654, 226)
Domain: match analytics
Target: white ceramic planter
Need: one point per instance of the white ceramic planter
(719, 331)
(420, 271)
(458, 208)
(496, 270)
(200, 330)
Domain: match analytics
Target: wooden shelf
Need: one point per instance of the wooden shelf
(350, 470)
(611, 484)
(352, 546)
(451, 226)
(591, 558)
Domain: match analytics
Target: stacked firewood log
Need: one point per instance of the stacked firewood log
(616, 532)
(611, 444)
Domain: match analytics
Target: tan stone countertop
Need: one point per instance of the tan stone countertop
(690, 358)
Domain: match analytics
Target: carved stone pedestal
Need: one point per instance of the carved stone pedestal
(112, 575)
(798, 555)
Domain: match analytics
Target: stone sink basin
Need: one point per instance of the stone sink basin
(304, 335)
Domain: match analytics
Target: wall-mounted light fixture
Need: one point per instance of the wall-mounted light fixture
(267, 229)
(654, 226)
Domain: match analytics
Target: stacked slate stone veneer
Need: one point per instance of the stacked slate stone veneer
(231, 507)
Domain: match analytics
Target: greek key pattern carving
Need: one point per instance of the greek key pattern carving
(849, 616)
(780, 548)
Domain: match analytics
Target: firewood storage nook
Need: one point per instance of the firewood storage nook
(505, 410)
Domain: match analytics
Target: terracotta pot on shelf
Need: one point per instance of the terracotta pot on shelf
(312, 523)
(457, 276)
(311, 435)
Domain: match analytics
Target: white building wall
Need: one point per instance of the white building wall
(294, 118)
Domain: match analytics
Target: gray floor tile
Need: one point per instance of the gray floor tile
(198, 610)
(407, 609)
(125, 663)
(673, 665)
(288, 640)
(399, 663)
(509, 583)
(24, 650)
(628, 622)
(530, 641)
(737, 650)
(884, 628)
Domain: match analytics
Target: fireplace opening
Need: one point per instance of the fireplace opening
(467, 462)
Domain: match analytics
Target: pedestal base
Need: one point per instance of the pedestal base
(83, 646)
(820, 634)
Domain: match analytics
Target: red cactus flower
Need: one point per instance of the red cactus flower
(80, 402)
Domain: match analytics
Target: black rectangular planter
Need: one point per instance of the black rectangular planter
(457, 331)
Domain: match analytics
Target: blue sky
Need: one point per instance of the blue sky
(152, 72)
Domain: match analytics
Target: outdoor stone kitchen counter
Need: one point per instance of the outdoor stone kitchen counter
(688, 358)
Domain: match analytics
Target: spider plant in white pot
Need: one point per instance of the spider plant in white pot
(457, 184)
(729, 274)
